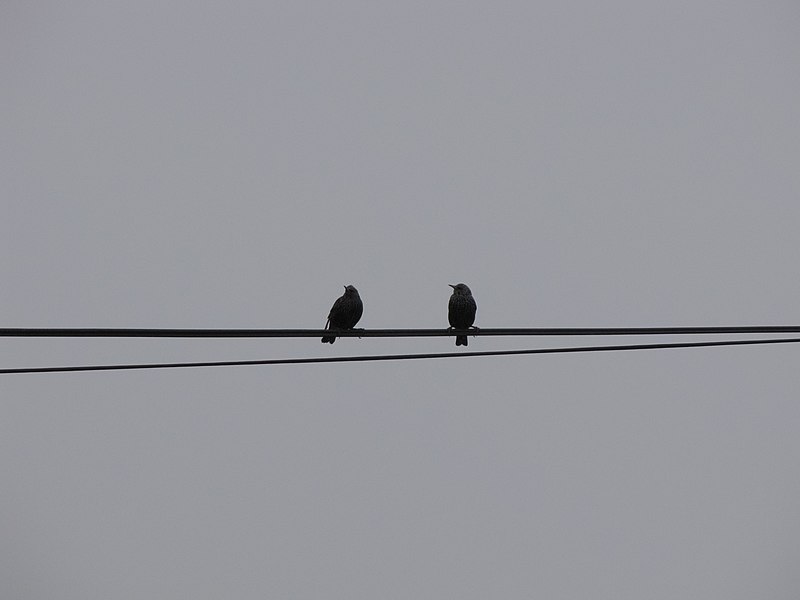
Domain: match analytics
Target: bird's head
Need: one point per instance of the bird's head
(350, 290)
(461, 289)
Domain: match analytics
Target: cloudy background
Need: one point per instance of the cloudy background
(234, 164)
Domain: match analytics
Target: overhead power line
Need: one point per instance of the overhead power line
(76, 332)
(385, 357)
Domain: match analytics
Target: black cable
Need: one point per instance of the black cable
(334, 359)
(75, 332)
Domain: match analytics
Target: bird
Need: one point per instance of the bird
(461, 310)
(345, 312)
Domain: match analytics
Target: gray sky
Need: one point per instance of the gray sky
(234, 164)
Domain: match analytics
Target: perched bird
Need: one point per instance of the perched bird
(461, 310)
(345, 313)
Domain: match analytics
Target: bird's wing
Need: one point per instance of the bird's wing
(337, 306)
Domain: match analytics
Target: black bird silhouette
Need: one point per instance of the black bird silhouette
(461, 310)
(345, 313)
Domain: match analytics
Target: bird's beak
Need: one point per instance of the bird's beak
(451, 285)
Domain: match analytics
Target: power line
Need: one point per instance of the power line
(76, 332)
(385, 357)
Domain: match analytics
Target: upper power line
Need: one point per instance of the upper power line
(119, 332)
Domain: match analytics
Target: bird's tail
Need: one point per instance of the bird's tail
(461, 340)
(328, 339)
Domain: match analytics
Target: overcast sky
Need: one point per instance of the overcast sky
(234, 164)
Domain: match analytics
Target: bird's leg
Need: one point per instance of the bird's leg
(357, 329)
(474, 329)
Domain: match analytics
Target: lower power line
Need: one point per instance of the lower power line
(385, 357)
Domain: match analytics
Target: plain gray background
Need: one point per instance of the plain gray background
(234, 164)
